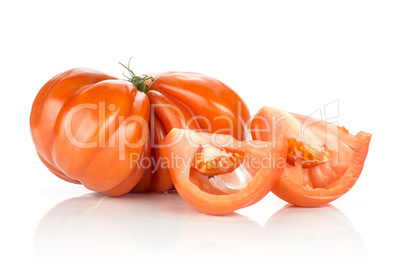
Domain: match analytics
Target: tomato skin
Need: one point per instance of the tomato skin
(203, 97)
(80, 152)
(156, 177)
(348, 170)
(205, 197)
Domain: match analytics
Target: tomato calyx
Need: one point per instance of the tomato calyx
(212, 161)
(138, 81)
(299, 152)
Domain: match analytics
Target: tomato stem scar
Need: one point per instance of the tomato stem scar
(138, 81)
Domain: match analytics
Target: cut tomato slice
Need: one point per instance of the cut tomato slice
(323, 162)
(216, 174)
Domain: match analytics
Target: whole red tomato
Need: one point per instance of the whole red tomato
(102, 132)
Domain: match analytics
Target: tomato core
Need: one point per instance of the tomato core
(306, 155)
(213, 161)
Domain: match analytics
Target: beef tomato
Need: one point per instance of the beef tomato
(94, 129)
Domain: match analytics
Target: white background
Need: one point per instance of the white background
(294, 55)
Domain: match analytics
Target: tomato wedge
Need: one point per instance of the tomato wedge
(216, 174)
(323, 162)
